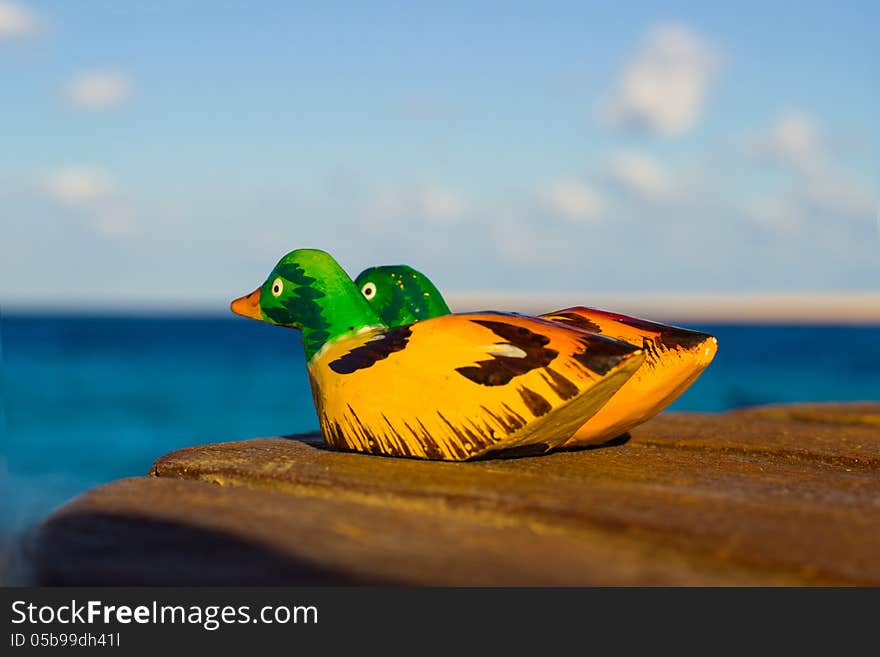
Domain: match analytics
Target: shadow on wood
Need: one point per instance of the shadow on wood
(127, 550)
(775, 495)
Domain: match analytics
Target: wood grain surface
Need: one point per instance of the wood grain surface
(768, 496)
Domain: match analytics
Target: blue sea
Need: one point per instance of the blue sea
(91, 399)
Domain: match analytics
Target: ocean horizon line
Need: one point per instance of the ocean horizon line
(829, 307)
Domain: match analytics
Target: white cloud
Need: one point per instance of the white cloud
(436, 203)
(838, 194)
(97, 90)
(441, 204)
(818, 203)
(78, 186)
(824, 209)
(820, 189)
(573, 200)
(17, 21)
(777, 214)
(793, 139)
(664, 88)
(639, 174)
(90, 191)
(795, 136)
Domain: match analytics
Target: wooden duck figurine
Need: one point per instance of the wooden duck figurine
(454, 387)
(674, 357)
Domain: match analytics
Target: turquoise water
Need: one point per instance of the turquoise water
(91, 399)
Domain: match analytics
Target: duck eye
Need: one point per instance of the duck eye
(369, 290)
(277, 286)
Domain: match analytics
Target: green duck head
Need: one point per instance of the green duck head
(309, 291)
(400, 295)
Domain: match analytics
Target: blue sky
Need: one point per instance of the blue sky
(172, 151)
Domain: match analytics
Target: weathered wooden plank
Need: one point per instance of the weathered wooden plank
(851, 445)
(782, 514)
(688, 499)
(163, 531)
(866, 413)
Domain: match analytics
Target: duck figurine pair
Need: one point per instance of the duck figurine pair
(394, 372)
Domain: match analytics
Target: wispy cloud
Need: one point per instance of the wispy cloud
(98, 90)
(640, 175)
(820, 188)
(441, 204)
(90, 191)
(434, 203)
(572, 200)
(17, 21)
(793, 139)
(823, 207)
(778, 214)
(663, 89)
(842, 195)
(78, 186)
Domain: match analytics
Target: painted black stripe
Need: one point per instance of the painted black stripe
(429, 446)
(670, 337)
(577, 321)
(498, 370)
(372, 351)
(404, 446)
(535, 402)
(601, 355)
(509, 424)
(564, 388)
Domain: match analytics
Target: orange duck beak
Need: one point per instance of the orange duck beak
(248, 305)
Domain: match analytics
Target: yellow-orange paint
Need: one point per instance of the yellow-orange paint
(674, 358)
(415, 403)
